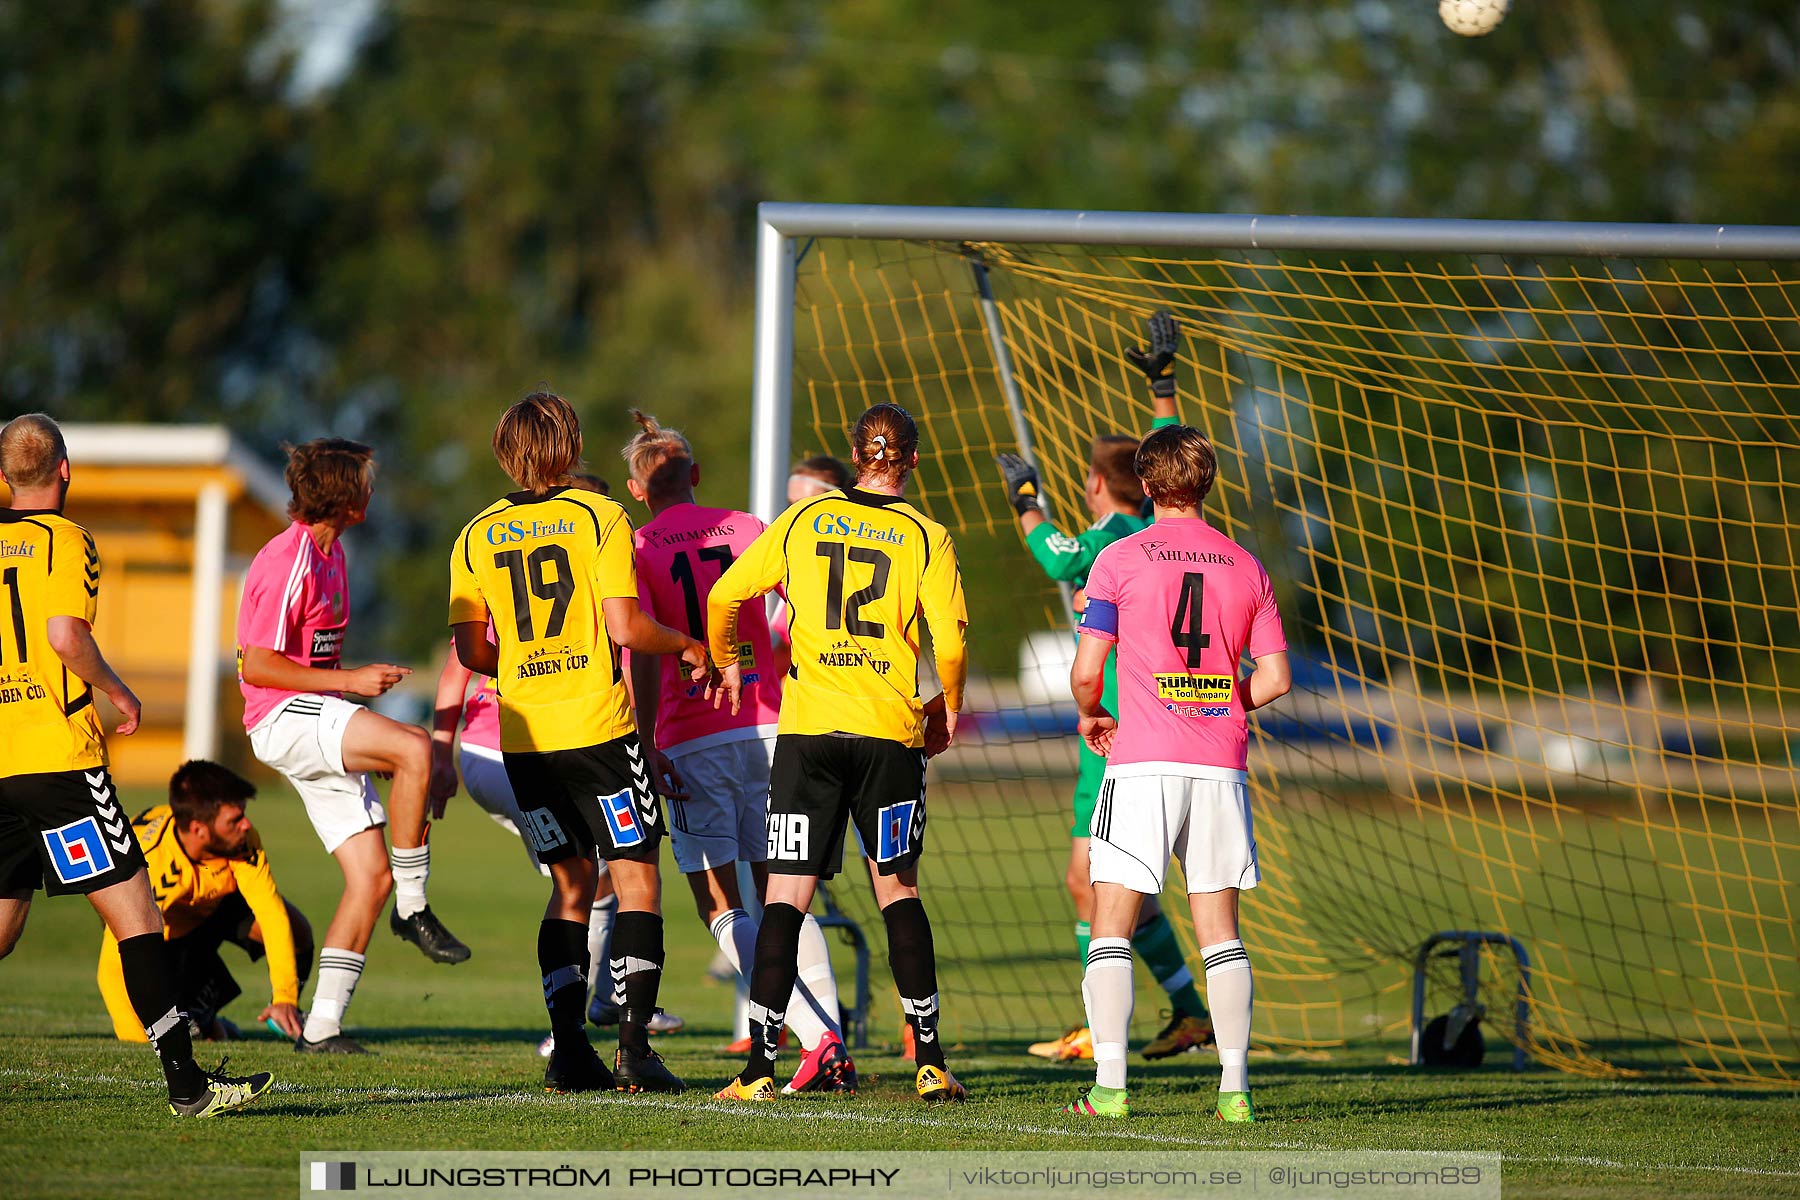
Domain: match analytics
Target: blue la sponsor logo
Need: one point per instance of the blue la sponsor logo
(622, 818)
(501, 532)
(842, 526)
(894, 830)
(77, 850)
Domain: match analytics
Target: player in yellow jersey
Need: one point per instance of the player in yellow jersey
(213, 883)
(61, 828)
(859, 567)
(552, 566)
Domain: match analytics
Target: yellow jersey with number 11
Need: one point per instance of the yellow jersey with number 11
(859, 569)
(48, 568)
(540, 564)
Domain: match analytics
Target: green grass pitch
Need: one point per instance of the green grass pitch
(81, 1115)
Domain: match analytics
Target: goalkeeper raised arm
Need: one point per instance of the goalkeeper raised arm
(1115, 501)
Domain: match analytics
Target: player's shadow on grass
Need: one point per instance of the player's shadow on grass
(462, 1034)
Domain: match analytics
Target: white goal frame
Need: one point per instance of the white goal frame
(781, 226)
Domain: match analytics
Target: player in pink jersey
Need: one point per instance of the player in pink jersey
(716, 760)
(1182, 604)
(290, 635)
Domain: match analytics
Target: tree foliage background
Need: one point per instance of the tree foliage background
(497, 193)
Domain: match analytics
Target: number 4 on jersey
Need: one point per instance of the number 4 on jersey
(1185, 630)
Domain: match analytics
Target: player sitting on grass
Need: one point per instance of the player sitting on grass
(1182, 603)
(1115, 499)
(213, 883)
(477, 713)
(290, 634)
(717, 761)
(859, 568)
(60, 822)
(551, 567)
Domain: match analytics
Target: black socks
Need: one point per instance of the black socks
(771, 985)
(151, 985)
(562, 958)
(913, 960)
(637, 962)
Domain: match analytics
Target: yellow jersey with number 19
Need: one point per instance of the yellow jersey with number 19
(48, 568)
(540, 564)
(859, 569)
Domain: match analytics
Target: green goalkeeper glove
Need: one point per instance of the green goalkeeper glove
(1165, 341)
(1022, 486)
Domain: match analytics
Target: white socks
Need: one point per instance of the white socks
(411, 869)
(338, 972)
(1107, 989)
(600, 926)
(812, 1010)
(815, 1001)
(1229, 993)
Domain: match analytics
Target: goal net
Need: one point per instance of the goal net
(1529, 521)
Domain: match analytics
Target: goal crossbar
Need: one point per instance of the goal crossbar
(780, 225)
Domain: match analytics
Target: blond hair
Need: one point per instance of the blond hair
(884, 442)
(661, 460)
(31, 449)
(1178, 465)
(538, 442)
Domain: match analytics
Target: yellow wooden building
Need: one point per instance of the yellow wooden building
(177, 512)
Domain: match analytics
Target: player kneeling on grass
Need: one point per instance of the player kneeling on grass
(61, 828)
(213, 883)
(551, 566)
(1182, 603)
(716, 761)
(859, 567)
(290, 633)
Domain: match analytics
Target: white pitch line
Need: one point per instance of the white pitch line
(779, 1112)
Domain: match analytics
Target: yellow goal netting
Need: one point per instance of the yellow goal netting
(1534, 526)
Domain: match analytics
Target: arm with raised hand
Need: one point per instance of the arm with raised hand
(1157, 361)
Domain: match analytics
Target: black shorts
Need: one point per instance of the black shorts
(596, 799)
(64, 832)
(205, 982)
(819, 783)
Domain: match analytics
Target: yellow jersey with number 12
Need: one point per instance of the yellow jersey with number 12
(540, 564)
(859, 570)
(48, 568)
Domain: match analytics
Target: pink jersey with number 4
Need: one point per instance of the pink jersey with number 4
(1183, 602)
(681, 552)
(296, 603)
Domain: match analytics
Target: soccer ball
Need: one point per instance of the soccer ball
(1472, 18)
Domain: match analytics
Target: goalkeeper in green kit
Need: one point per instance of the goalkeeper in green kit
(1115, 499)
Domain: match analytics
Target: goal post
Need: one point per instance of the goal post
(1529, 491)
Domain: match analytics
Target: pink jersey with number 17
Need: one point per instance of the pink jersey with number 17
(1183, 602)
(681, 552)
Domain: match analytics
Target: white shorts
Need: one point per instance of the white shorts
(303, 738)
(1141, 820)
(726, 815)
(484, 775)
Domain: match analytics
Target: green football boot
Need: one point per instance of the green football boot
(1101, 1102)
(223, 1093)
(1235, 1106)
